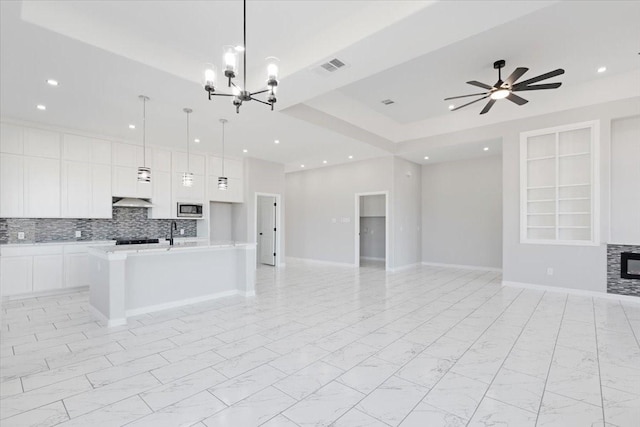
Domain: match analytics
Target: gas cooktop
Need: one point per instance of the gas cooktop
(136, 241)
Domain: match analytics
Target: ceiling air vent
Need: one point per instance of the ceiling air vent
(388, 101)
(330, 66)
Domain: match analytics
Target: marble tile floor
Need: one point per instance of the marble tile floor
(329, 346)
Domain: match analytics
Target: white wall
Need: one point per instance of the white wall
(406, 207)
(221, 221)
(625, 181)
(462, 212)
(315, 197)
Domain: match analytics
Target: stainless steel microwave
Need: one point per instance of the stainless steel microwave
(190, 210)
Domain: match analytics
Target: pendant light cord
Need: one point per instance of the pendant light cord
(188, 168)
(144, 132)
(244, 53)
(223, 149)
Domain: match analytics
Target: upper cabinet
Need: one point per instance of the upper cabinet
(126, 160)
(41, 143)
(41, 187)
(11, 186)
(195, 166)
(234, 171)
(11, 141)
(88, 150)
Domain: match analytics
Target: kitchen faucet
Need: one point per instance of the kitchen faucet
(174, 226)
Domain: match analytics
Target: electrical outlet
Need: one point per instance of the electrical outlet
(78, 233)
(20, 235)
(549, 271)
(182, 231)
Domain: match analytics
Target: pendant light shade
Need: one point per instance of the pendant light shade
(144, 173)
(187, 177)
(222, 180)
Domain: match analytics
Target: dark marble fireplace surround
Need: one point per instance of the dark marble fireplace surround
(127, 223)
(615, 283)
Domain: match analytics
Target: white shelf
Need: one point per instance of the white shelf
(542, 187)
(574, 213)
(573, 198)
(541, 226)
(541, 200)
(575, 226)
(541, 213)
(586, 153)
(533, 159)
(574, 185)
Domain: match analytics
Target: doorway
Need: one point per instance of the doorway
(267, 228)
(372, 230)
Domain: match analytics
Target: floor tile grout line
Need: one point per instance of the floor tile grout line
(515, 341)
(595, 330)
(566, 301)
(624, 310)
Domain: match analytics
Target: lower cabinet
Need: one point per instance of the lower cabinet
(76, 270)
(15, 275)
(47, 272)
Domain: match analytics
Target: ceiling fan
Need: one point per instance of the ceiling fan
(505, 89)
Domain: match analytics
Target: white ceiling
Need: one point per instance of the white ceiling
(105, 53)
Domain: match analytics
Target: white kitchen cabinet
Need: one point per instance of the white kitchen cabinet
(11, 185)
(163, 207)
(47, 272)
(15, 275)
(125, 183)
(196, 163)
(84, 149)
(41, 143)
(86, 190)
(11, 139)
(76, 270)
(128, 155)
(160, 160)
(233, 194)
(41, 187)
(232, 168)
(195, 193)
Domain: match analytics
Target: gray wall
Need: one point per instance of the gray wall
(625, 181)
(372, 233)
(405, 222)
(315, 197)
(221, 221)
(462, 212)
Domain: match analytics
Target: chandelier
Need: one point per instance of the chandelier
(240, 94)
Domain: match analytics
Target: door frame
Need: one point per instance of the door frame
(278, 225)
(386, 226)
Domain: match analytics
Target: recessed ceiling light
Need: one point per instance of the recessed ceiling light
(426, 157)
(239, 48)
(277, 141)
(301, 166)
(132, 126)
(324, 161)
(351, 157)
(41, 107)
(52, 82)
(602, 69)
(486, 148)
(451, 107)
(388, 101)
(245, 151)
(197, 141)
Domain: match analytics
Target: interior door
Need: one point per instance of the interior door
(267, 229)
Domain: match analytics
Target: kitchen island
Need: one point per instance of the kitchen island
(130, 280)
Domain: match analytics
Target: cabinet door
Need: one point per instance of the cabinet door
(41, 143)
(194, 193)
(76, 190)
(76, 270)
(124, 182)
(42, 187)
(128, 155)
(161, 160)
(15, 275)
(196, 163)
(161, 198)
(233, 168)
(11, 139)
(11, 185)
(101, 191)
(235, 190)
(47, 272)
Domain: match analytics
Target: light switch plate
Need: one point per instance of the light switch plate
(20, 235)
(182, 231)
(78, 233)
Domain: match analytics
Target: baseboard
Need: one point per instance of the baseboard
(41, 294)
(319, 261)
(181, 303)
(371, 258)
(403, 267)
(571, 291)
(101, 317)
(247, 294)
(462, 266)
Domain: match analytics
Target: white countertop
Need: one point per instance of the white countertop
(93, 242)
(164, 246)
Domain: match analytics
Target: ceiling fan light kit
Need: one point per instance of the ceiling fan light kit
(230, 62)
(505, 89)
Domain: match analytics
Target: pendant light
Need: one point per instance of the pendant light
(187, 177)
(144, 173)
(222, 180)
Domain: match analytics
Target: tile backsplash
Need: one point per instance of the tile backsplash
(127, 223)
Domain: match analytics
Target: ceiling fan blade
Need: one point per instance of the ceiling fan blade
(479, 84)
(464, 96)
(515, 75)
(541, 77)
(516, 99)
(469, 103)
(537, 87)
(488, 106)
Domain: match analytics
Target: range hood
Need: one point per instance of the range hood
(130, 202)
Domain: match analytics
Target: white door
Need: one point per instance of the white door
(267, 229)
